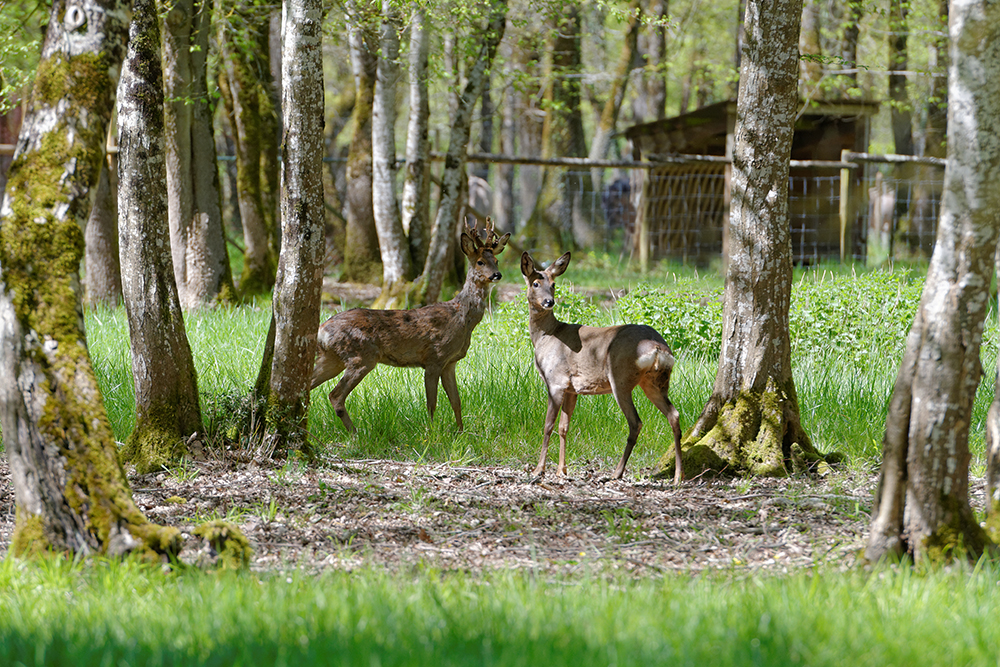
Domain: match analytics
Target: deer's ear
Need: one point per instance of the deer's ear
(468, 245)
(527, 264)
(558, 266)
(501, 244)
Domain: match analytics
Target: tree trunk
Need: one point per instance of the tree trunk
(810, 70)
(417, 182)
(559, 207)
(609, 115)
(651, 102)
(197, 239)
(246, 58)
(751, 423)
(71, 492)
(503, 198)
(900, 112)
(296, 301)
(103, 267)
(428, 288)
(929, 180)
(922, 501)
(397, 269)
(166, 392)
(361, 255)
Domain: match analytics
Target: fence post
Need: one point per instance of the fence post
(642, 223)
(846, 206)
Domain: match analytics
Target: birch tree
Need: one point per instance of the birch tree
(397, 267)
(166, 391)
(71, 494)
(417, 182)
(922, 500)
(751, 423)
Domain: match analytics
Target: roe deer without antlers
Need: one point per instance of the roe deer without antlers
(574, 359)
(434, 337)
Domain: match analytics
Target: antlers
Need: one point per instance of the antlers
(486, 236)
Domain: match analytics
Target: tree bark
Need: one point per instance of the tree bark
(417, 182)
(166, 391)
(601, 142)
(361, 254)
(103, 266)
(922, 501)
(651, 102)
(71, 492)
(197, 239)
(503, 198)
(296, 303)
(428, 287)
(810, 70)
(397, 268)
(562, 203)
(243, 85)
(751, 423)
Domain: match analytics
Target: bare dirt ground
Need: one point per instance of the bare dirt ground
(348, 514)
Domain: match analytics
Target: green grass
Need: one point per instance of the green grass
(848, 330)
(56, 613)
(847, 338)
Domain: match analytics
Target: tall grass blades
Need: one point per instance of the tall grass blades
(58, 613)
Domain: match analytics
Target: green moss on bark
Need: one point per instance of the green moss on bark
(960, 538)
(752, 435)
(231, 546)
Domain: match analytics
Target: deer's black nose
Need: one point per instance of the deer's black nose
(548, 303)
(496, 276)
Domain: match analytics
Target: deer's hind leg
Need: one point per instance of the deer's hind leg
(623, 396)
(658, 396)
(353, 375)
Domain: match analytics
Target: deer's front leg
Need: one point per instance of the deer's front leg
(450, 384)
(569, 404)
(555, 403)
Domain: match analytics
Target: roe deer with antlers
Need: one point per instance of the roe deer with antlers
(574, 359)
(434, 337)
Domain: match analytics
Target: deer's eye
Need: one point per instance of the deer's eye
(481, 263)
(534, 284)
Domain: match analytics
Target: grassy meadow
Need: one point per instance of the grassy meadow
(848, 330)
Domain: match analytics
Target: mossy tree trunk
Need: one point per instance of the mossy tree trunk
(454, 179)
(197, 239)
(244, 81)
(565, 206)
(71, 492)
(922, 501)
(751, 423)
(166, 392)
(362, 262)
(296, 303)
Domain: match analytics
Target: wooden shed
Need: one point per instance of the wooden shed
(683, 203)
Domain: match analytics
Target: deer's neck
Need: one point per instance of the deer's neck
(542, 323)
(472, 299)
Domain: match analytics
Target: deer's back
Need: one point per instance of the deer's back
(584, 359)
(431, 334)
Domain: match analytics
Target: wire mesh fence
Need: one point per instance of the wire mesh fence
(867, 210)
